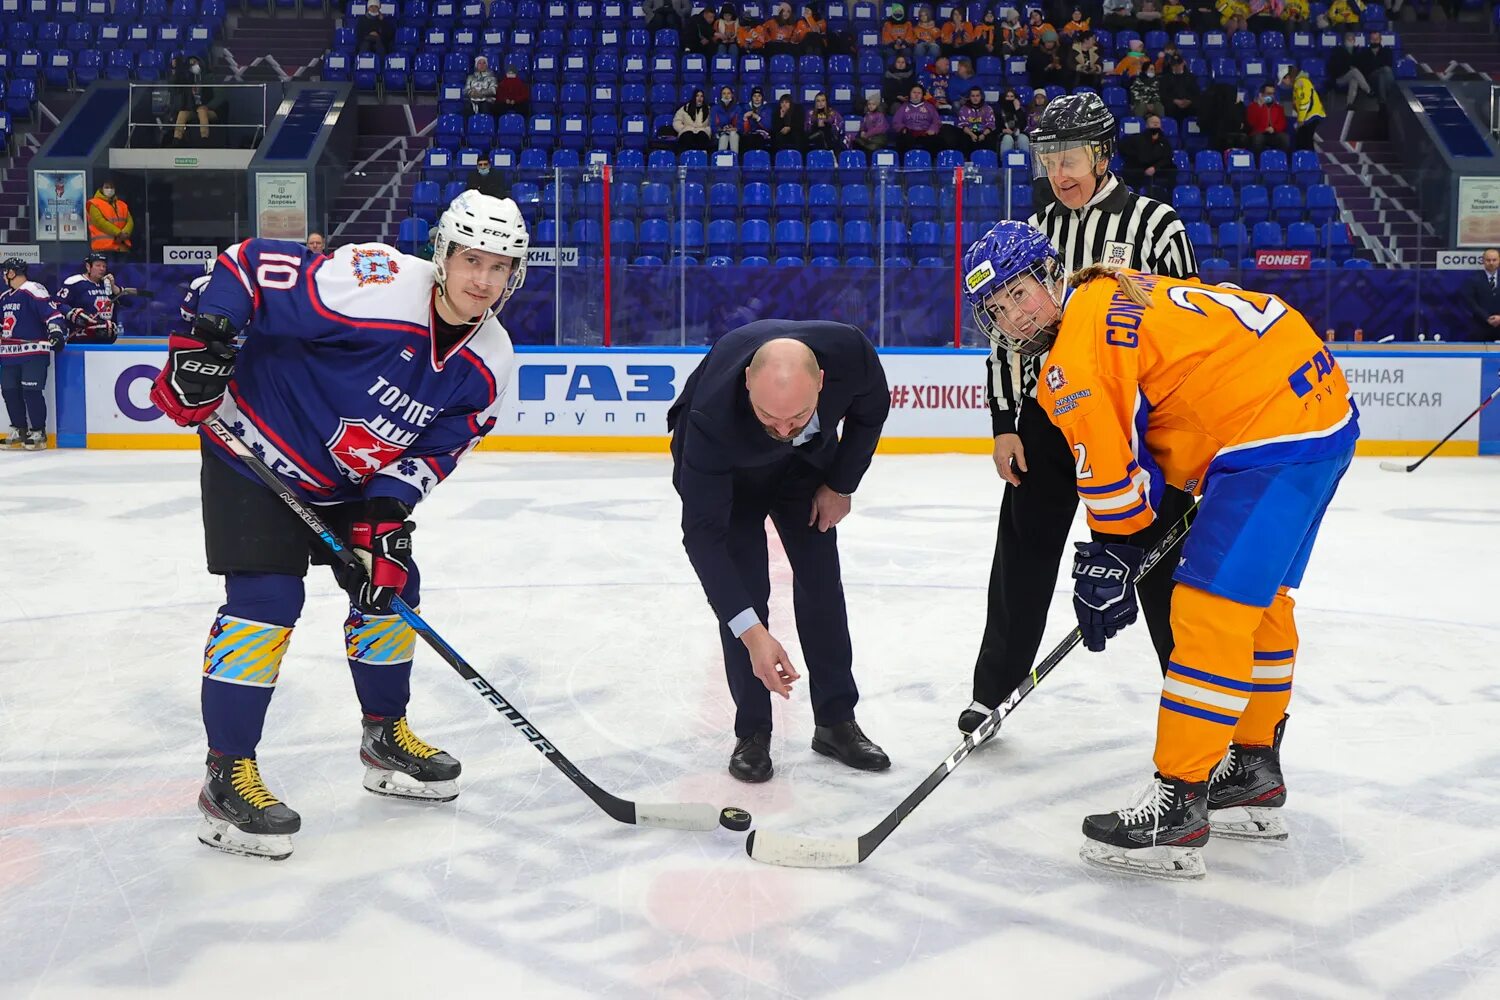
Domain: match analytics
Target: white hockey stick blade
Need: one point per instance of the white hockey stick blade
(1395, 467)
(801, 852)
(677, 815)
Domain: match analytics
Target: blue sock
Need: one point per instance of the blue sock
(380, 649)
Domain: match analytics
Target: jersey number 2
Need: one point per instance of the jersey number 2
(1084, 472)
(1252, 317)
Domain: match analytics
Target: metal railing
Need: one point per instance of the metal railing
(161, 106)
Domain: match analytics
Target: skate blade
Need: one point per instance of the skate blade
(226, 837)
(1176, 864)
(1247, 823)
(399, 785)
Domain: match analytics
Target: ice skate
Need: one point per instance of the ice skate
(240, 815)
(15, 440)
(973, 717)
(1246, 792)
(35, 441)
(1157, 836)
(399, 764)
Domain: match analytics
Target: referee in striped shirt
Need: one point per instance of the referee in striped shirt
(1092, 218)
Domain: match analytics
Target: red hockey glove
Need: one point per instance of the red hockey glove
(199, 366)
(382, 541)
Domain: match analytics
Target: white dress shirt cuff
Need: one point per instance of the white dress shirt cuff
(742, 621)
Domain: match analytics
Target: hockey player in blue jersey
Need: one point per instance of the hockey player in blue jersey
(363, 379)
(188, 308)
(31, 328)
(88, 301)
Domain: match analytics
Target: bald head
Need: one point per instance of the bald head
(784, 381)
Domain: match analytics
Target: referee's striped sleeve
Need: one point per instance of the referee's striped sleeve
(1000, 390)
(1172, 250)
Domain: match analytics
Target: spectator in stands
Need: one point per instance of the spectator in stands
(726, 121)
(664, 14)
(1295, 13)
(787, 126)
(917, 122)
(1145, 93)
(1148, 161)
(1129, 65)
(1076, 24)
(960, 34)
(192, 100)
(976, 124)
(874, 126)
(927, 36)
(1265, 122)
(895, 34)
(1088, 70)
(755, 123)
(1179, 91)
(1204, 15)
(1037, 27)
(1306, 105)
(317, 244)
(1164, 58)
(1119, 15)
(963, 72)
(985, 40)
(1234, 15)
(936, 74)
(111, 225)
(1378, 65)
(706, 35)
(1010, 119)
(374, 30)
(1342, 12)
(1039, 104)
(1013, 37)
(824, 125)
(1045, 64)
(1174, 15)
(1482, 295)
(752, 37)
(1343, 69)
(1148, 15)
(484, 179)
(692, 124)
(1221, 117)
(811, 33)
(480, 88)
(779, 30)
(513, 94)
(897, 81)
(937, 96)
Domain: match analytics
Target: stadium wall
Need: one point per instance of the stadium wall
(590, 399)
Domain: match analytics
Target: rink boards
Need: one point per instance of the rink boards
(572, 399)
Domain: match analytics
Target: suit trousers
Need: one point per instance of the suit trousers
(1035, 518)
(784, 492)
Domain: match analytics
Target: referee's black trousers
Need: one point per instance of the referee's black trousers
(1029, 549)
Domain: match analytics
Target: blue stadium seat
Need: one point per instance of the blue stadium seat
(921, 202)
(1336, 240)
(755, 238)
(1218, 203)
(1305, 168)
(720, 261)
(687, 237)
(723, 237)
(1357, 263)
(1286, 204)
(823, 239)
(755, 260)
(1266, 236)
(1209, 166)
(822, 201)
(543, 131)
(1201, 236)
(788, 201)
(791, 237)
(821, 166)
(479, 130)
(425, 197)
(1274, 169)
(1233, 241)
(1241, 166)
(756, 199)
(1322, 204)
(661, 166)
(723, 201)
(893, 236)
(854, 203)
(926, 239)
(1187, 199)
(1255, 204)
(449, 131)
(789, 261)
(788, 166)
(858, 239)
(452, 190)
(1303, 236)
(652, 237)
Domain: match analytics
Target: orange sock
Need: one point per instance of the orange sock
(1208, 685)
(1275, 654)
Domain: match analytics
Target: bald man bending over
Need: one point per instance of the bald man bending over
(755, 433)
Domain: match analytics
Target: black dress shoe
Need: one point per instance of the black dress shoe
(846, 743)
(751, 760)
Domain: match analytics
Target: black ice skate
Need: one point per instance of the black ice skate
(240, 815)
(15, 440)
(400, 765)
(35, 441)
(973, 717)
(1246, 790)
(1158, 835)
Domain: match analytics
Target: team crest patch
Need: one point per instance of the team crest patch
(359, 451)
(374, 267)
(1054, 378)
(1116, 254)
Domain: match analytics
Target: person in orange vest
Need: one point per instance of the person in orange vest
(110, 221)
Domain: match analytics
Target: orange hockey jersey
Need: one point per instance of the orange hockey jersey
(1200, 380)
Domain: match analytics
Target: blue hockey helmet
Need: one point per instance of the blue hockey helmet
(12, 265)
(1000, 260)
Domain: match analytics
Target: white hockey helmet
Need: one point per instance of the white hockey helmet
(482, 222)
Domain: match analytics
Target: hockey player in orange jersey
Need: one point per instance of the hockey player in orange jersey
(1219, 392)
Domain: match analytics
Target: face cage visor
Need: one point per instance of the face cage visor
(1073, 158)
(1025, 332)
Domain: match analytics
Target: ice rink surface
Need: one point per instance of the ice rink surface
(562, 579)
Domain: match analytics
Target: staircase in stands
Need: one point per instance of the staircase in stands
(386, 165)
(1378, 203)
(15, 178)
(289, 47)
(1464, 49)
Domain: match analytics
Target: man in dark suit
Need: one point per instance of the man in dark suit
(755, 434)
(1482, 294)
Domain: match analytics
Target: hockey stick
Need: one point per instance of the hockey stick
(794, 851)
(672, 815)
(1398, 467)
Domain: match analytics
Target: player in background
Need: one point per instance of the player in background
(188, 309)
(31, 328)
(88, 301)
(363, 379)
(1229, 394)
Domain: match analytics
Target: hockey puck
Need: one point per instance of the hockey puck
(734, 819)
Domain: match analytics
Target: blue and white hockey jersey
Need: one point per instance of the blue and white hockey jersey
(28, 320)
(189, 306)
(339, 386)
(85, 302)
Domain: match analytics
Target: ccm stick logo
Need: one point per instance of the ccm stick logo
(511, 715)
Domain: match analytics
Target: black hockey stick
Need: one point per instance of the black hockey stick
(1399, 467)
(672, 815)
(793, 851)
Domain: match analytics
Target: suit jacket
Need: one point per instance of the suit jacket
(1483, 302)
(715, 432)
